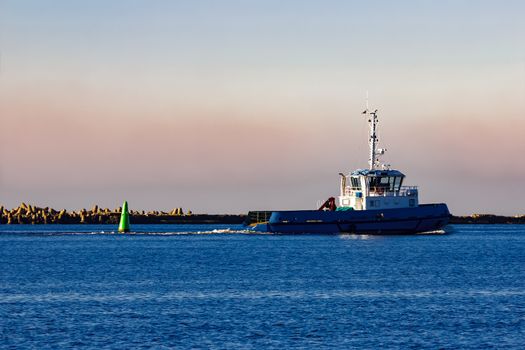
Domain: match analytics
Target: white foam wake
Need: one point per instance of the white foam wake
(175, 233)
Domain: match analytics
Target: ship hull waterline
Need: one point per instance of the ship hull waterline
(402, 221)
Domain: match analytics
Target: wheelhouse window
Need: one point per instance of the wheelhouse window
(397, 183)
(391, 182)
(381, 184)
(356, 184)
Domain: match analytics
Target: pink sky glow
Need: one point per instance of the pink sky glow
(224, 111)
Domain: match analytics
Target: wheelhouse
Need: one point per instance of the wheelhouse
(371, 189)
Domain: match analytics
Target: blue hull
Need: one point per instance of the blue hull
(426, 217)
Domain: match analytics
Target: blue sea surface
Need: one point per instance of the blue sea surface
(216, 287)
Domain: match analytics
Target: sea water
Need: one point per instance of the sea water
(218, 287)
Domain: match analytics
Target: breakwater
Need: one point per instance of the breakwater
(30, 214)
(487, 219)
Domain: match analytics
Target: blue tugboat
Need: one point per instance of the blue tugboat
(371, 201)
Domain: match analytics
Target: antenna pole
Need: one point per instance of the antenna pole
(372, 138)
(372, 120)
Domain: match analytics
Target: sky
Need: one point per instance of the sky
(230, 106)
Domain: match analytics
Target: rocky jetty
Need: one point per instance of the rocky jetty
(30, 214)
(487, 219)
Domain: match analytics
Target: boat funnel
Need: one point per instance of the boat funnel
(124, 218)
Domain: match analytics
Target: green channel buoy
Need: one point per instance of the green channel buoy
(124, 218)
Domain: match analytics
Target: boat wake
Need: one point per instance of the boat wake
(175, 233)
(206, 232)
(434, 232)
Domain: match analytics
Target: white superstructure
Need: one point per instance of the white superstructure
(377, 187)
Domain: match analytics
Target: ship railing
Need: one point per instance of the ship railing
(404, 191)
(408, 191)
(255, 217)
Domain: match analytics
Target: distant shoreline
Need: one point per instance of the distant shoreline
(29, 214)
(488, 219)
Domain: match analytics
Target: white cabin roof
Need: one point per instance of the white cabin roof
(368, 172)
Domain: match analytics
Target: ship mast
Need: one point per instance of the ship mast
(372, 141)
(374, 153)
